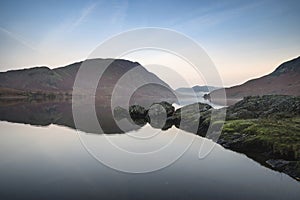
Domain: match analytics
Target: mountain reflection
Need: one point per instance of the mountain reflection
(59, 112)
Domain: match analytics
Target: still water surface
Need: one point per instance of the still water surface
(50, 162)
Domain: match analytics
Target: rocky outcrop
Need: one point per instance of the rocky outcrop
(155, 115)
(267, 106)
(267, 130)
(137, 111)
(288, 167)
(264, 128)
(194, 118)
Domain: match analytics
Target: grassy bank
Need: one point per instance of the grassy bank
(280, 136)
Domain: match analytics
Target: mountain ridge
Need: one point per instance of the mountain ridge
(61, 80)
(284, 80)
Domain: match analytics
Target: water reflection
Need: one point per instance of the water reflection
(50, 163)
(58, 112)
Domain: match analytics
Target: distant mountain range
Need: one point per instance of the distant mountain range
(196, 89)
(42, 80)
(284, 80)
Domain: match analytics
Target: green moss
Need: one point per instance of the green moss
(282, 136)
(237, 125)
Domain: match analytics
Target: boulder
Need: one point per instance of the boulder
(193, 118)
(158, 113)
(138, 114)
(137, 111)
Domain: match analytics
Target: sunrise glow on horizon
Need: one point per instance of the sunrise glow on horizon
(243, 39)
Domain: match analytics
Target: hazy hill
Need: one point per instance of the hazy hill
(196, 89)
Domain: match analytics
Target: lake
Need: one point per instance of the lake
(43, 161)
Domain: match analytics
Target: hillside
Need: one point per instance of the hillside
(284, 80)
(43, 80)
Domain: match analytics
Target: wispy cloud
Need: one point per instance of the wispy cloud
(120, 12)
(57, 35)
(214, 15)
(84, 14)
(18, 38)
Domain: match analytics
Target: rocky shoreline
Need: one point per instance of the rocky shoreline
(265, 128)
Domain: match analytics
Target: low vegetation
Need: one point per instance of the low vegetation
(280, 136)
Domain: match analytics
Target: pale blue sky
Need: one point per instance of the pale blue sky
(245, 39)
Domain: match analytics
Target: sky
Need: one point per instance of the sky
(244, 39)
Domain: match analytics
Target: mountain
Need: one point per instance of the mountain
(284, 80)
(43, 81)
(197, 89)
